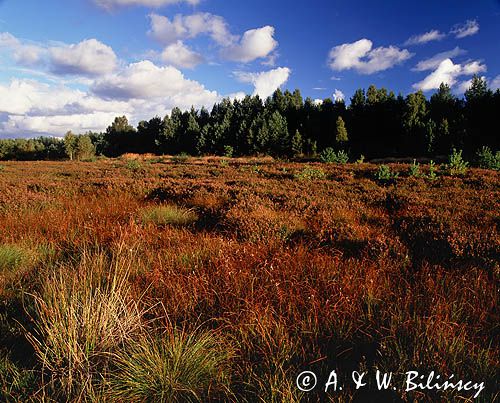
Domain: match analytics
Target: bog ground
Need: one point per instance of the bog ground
(185, 279)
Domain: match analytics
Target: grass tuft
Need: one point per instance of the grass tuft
(169, 215)
(181, 367)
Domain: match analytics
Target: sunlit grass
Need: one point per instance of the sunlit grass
(168, 215)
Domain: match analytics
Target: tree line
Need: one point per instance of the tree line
(376, 124)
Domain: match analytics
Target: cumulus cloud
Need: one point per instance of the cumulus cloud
(109, 4)
(25, 54)
(89, 57)
(140, 90)
(433, 35)
(168, 31)
(338, 95)
(255, 44)
(144, 80)
(469, 28)
(31, 106)
(433, 62)
(265, 82)
(447, 72)
(361, 57)
(179, 55)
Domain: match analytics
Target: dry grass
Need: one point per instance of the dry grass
(267, 272)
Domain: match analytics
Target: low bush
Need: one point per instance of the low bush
(384, 174)
(329, 155)
(456, 165)
(310, 173)
(487, 159)
(414, 170)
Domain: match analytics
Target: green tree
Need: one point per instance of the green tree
(278, 134)
(297, 145)
(341, 136)
(70, 144)
(84, 149)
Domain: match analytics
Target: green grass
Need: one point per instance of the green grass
(168, 215)
(12, 257)
(179, 367)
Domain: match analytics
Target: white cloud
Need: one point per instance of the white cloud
(23, 53)
(361, 57)
(433, 35)
(168, 31)
(255, 44)
(146, 81)
(89, 57)
(495, 83)
(338, 95)
(447, 72)
(33, 107)
(8, 40)
(140, 90)
(433, 62)
(109, 4)
(474, 67)
(179, 55)
(57, 124)
(266, 82)
(469, 28)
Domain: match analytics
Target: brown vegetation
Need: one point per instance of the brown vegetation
(273, 270)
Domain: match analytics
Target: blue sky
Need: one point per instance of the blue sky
(77, 64)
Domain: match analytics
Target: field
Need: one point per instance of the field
(189, 279)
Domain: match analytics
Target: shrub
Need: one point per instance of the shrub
(456, 164)
(228, 151)
(182, 367)
(134, 165)
(309, 173)
(385, 174)
(1, 168)
(361, 159)
(487, 159)
(169, 215)
(328, 155)
(414, 170)
(432, 171)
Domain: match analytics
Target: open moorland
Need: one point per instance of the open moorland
(208, 279)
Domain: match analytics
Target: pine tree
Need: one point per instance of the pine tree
(341, 136)
(297, 144)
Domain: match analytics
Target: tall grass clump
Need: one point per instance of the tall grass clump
(181, 366)
(168, 215)
(83, 315)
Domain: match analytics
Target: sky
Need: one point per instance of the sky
(76, 64)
